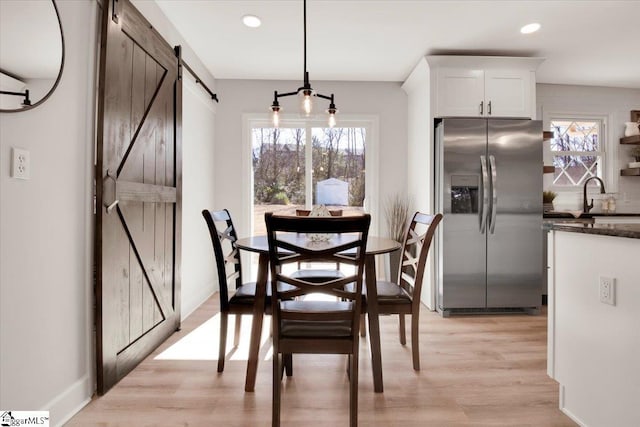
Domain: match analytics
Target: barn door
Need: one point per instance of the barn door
(138, 193)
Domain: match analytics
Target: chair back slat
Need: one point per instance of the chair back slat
(415, 249)
(228, 265)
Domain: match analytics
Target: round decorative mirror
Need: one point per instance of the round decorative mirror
(31, 53)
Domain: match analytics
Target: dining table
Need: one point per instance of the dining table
(259, 245)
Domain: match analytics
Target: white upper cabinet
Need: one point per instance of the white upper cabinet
(483, 86)
(460, 92)
(507, 93)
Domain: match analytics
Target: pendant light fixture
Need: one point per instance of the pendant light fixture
(305, 92)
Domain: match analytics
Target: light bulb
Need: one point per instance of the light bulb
(306, 102)
(332, 110)
(275, 113)
(332, 119)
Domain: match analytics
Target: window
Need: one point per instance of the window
(577, 150)
(297, 167)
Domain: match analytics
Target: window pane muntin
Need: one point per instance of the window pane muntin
(573, 170)
(575, 140)
(575, 135)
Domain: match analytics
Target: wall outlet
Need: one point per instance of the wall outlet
(20, 163)
(608, 290)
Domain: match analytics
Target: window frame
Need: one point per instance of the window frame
(369, 122)
(608, 148)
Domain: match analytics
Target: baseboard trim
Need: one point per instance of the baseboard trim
(573, 417)
(70, 401)
(567, 412)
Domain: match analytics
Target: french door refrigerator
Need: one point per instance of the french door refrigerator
(489, 188)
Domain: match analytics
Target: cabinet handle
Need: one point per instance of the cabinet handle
(489, 108)
(481, 107)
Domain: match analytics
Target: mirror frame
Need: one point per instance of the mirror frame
(55, 85)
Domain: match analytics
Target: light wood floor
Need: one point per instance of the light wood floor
(487, 370)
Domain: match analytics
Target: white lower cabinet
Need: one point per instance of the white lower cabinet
(593, 347)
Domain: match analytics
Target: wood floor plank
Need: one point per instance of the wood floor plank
(486, 370)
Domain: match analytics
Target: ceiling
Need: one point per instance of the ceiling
(584, 42)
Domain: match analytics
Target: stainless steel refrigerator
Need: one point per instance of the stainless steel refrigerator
(489, 188)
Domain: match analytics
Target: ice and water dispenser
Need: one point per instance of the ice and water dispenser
(464, 193)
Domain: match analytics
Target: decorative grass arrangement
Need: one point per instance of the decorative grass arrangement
(397, 215)
(548, 196)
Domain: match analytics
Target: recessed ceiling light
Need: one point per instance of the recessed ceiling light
(251, 21)
(530, 28)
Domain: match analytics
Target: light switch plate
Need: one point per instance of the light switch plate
(20, 163)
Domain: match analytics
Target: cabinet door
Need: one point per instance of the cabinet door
(460, 92)
(507, 93)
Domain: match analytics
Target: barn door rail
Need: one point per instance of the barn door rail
(178, 50)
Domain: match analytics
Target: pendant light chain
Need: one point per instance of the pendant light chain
(304, 19)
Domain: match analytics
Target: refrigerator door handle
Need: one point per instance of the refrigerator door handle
(485, 194)
(494, 193)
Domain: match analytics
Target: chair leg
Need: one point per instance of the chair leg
(236, 336)
(223, 341)
(363, 326)
(415, 346)
(403, 335)
(275, 404)
(353, 390)
(288, 364)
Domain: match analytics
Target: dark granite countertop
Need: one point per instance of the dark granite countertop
(568, 215)
(587, 226)
(549, 221)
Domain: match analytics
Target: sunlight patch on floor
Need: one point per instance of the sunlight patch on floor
(202, 342)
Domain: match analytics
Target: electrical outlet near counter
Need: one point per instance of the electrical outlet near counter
(608, 290)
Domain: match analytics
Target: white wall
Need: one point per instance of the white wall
(238, 97)
(45, 250)
(613, 102)
(199, 277)
(46, 225)
(420, 159)
(596, 345)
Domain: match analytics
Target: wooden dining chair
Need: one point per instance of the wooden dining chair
(229, 269)
(311, 326)
(404, 297)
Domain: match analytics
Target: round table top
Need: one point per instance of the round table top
(375, 245)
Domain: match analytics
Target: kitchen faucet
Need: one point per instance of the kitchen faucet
(587, 207)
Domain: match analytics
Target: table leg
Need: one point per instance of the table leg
(256, 325)
(374, 322)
